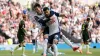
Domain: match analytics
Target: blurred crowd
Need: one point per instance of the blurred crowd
(11, 14)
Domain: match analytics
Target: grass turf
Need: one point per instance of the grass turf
(68, 52)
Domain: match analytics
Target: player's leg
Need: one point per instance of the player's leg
(12, 51)
(81, 47)
(36, 45)
(33, 41)
(44, 48)
(45, 36)
(17, 47)
(50, 42)
(86, 41)
(21, 44)
(87, 46)
(23, 48)
(55, 42)
(67, 41)
(82, 43)
(45, 44)
(55, 47)
(50, 51)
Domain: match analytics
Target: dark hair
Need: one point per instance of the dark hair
(37, 5)
(45, 8)
(88, 19)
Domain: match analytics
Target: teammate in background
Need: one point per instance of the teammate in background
(34, 32)
(85, 35)
(21, 37)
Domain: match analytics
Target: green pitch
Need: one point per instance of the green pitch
(68, 52)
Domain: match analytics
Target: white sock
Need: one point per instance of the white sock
(55, 50)
(33, 48)
(36, 47)
(49, 50)
(87, 47)
(82, 45)
(67, 41)
(45, 47)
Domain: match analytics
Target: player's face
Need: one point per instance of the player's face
(47, 13)
(38, 10)
(34, 25)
